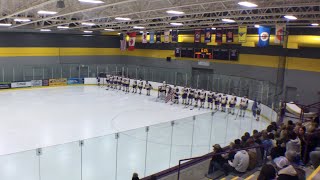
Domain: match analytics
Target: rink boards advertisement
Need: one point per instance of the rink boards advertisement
(20, 84)
(36, 83)
(58, 82)
(75, 81)
(5, 85)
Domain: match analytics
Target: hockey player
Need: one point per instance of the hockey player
(243, 106)
(108, 81)
(111, 81)
(123, 84)
(196, 97)
(140, 86)
(190, 96)
(258, 110)
(202, 97)
(176, 95)
(217, 102)
(148, 87)
(232, 104)
(162, 90)
(224, 101)
(134, 86)
(210, 100)
(127, 84)
(184, 94)
(98, 80)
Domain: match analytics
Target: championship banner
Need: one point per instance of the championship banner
(36, 83)
(264, 36)
(174, 34)
(197, 36)
(280, 31)
(58, 82)
(219, 33)
(207, 37)
(242, 31)
(132, 40)
(144, 37)
(229, 36)
(166, 36)
(151, 37)
(20, 84)
(123, 43)
(158, 37)
(75, 81)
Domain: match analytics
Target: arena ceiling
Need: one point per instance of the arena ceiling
(152, 14)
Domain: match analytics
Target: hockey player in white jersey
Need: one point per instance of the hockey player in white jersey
(190, 97)
(196, 97)
(232, 104)
(202, 97)
(217, 100)
(127, 84)
(134, 86)
(148, 87)
(210, 100)
(224, 101)
(243, 106)
(140, 86)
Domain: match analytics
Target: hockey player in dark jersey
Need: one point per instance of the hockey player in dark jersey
(184, 95)
(210, 100)
(140, 86)
(176, 95)
(217, 101)
(98, 80)
(190, 97)
(196, 97)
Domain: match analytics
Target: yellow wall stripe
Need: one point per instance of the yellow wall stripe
(314, 173)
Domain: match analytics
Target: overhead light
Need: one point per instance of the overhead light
(87, 35)
(45, 30)
(118, 33)
(228, 20)
(47, 12)
(290, 17)
(63, 27)
(141, 32)
(247, 4)
(175, 12)
(88, 24)
(92, 1)
(314, 24)
(109, 29)
(138, 27)
(213, 28)
(256, 25)
(22, 20)
(122, 19)
(60, 4)
(176, 24)
(5, 24)
(88, 31)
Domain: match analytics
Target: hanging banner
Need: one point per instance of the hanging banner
(229, 36)
(264, 36)
(242, 31)
(197, 36)
(167, 36)
(219, 33)
(158, 37)
(123, 43)
(280, 32)
(174, 34)
(151, 37)
(207, 37)
(132, 40)
(144, 37)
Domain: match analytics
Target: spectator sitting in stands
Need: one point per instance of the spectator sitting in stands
(267, 143)
(290, 125)
(267, 173)
(239, 164)
(135, 176)
(287, 168)
(294, 144)
(253, 155)
(278, 150)
(217, 161)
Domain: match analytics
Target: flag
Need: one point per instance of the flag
(242, 31)
(229, 36)
(144, 37)
(174, 34)
(197, 36)
(132, 41)
(280, 32)
(207, 37)
(151, 37)
(123, 43)
(158, 37)
(167, 36)
(264, 36)
(219, 33)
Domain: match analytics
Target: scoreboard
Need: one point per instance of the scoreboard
(208, 53)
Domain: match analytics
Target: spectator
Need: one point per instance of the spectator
(267, 173)
(239, 164)
(288, 173)
(315, 157)
(267, 143)
(135, 176)
(253, 159)
(294, 144)
(302, 138)
(290, 126)
(217, 161)
(281, 162)
(278, 150)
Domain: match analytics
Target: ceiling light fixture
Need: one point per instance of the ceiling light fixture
(138, 27)
(228, 20)
(88, 31)
(88, 24)
(92, 1)
(247, 4)
(45, 30)
(213, 28)
(22, 20)
(176, 24)
(5, 24)
(47, 12)
(63, 27)
(256, 25)
(109, 29)
(290, 17)
(314, 24)
(122, 19)
(175, 12)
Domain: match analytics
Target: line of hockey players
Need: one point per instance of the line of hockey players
(192, 98)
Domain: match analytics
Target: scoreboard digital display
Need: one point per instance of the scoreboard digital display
(208, 53)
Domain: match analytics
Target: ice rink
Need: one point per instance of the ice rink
(36, 118)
